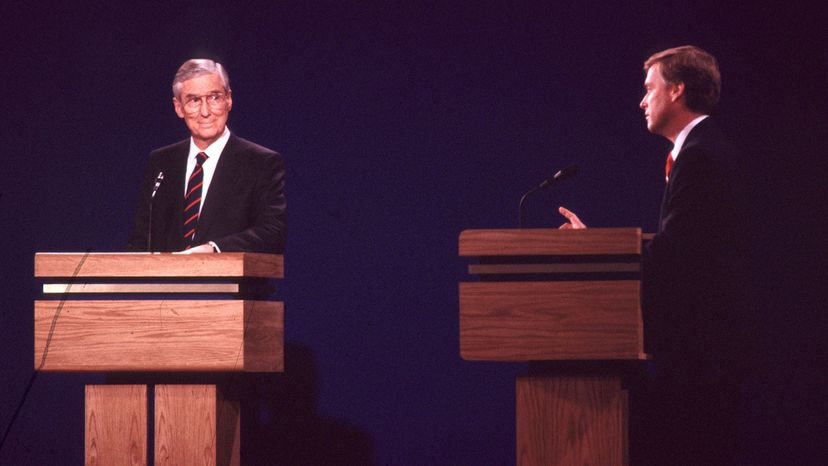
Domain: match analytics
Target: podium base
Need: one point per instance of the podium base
(571, 421)
(194, 424)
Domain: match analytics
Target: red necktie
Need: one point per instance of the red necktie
(668, 166)
(192, 200)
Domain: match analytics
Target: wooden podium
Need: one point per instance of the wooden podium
(149, 313)
(562, 300)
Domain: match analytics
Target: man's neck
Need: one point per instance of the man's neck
(682, 119)
(203, 143)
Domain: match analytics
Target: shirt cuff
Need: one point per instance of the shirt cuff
(214, 245)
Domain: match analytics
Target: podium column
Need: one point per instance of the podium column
(116, 424)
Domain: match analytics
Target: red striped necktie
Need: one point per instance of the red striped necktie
(668, 166)
(192, 200)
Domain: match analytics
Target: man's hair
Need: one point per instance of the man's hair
(695, 68)
(196, 67)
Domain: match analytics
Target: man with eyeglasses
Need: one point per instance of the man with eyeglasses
(215, 191)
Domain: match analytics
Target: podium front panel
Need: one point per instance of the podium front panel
(159, 335)
(536, 321)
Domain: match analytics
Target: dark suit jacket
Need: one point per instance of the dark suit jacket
(694, 279)
(245, 208)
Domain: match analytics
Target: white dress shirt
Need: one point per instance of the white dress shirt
(213, 152)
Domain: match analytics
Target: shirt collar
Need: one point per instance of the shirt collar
(683, 135)
(214, 150)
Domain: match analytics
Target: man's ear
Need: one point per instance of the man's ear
(676, 91)
(178, 109)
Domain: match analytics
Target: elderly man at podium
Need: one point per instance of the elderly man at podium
(693, 282)
(214, 191)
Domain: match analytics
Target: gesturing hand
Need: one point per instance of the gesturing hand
(573, 223)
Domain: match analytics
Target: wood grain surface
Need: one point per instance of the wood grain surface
(116, 425)
(537, 321)
(569, 421)
(185, 425)
(228, 429)
(520, 269)
(231, 264)
(160, 335)
(550, 242)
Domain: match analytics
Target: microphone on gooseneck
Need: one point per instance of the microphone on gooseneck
(158, 180)
(561, 175)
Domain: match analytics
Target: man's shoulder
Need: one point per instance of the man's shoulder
(710, 140)
(710, 150)
(240, 145)
(707, 131)
(174, 148)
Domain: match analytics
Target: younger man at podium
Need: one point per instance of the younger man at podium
(693, 283)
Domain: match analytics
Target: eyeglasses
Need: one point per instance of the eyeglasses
(216, 101)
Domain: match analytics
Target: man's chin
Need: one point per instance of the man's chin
(208, 133)
(206, 138)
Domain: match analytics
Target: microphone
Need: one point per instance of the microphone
(561, 175)
(158, 180)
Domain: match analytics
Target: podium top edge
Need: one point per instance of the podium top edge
(550, 242)
(133, 253)
(569, 231)
(160, 265)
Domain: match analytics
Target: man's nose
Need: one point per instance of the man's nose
(643, 103)
(204, 108)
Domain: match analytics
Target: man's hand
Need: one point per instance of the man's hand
(201, 249)
(573, 223)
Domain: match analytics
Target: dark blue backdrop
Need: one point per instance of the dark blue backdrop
(401, 126)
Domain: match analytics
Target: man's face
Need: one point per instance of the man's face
(659, 102)
(204, 106)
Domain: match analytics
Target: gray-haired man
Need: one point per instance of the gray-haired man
(214, 191)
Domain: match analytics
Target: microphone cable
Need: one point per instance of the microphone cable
(45, 349)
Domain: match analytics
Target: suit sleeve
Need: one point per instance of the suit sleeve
(267, 211)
